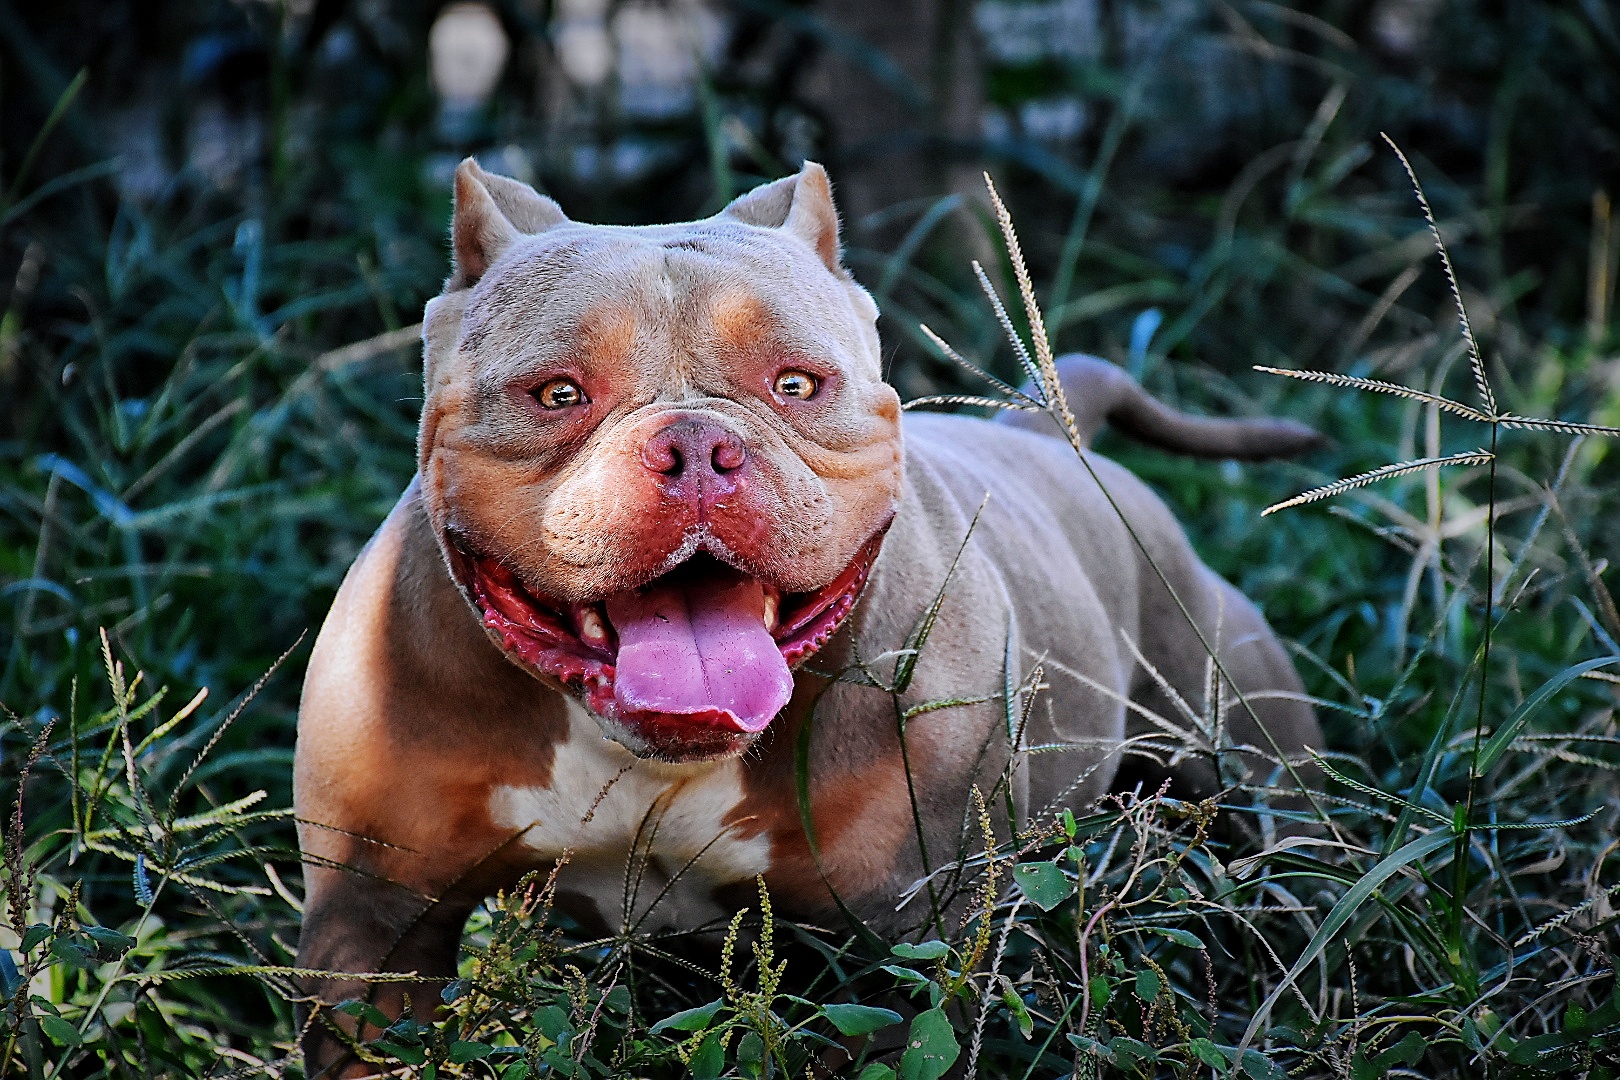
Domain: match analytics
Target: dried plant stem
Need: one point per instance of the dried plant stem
(1037, 325)
(1475, 360)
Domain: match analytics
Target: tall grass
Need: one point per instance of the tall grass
(1451, 920)
(190, 457)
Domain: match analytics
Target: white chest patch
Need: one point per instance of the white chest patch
(647, 841)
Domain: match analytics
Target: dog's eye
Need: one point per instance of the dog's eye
(559, 394)
(797, 384)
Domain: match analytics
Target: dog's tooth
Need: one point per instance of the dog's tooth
(771, 605)
(591, 630)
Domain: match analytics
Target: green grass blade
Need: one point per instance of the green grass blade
(1499, 743)
(1342, 911)
(63, 103)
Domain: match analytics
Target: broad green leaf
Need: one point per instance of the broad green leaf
(1180, 937)
(710, 1057)
(689, 1019)
(1209, 1054)
(905, 974)
(927, 950)
(1095, 1047)
(1255, 1064)
(876, 1072)
(1362, 1068)
(1260, 1067)
(364, 1010)
(860, 1019)
(931, 1047)
(74, 954)
(1409, 1051)
(751, 1054)
(408, 1029)
(552, 1022)
(110, 942)
(1015, 1005)
(1554, 1052)
(1044, 884)
(1147, 984)
(34, 935)
(60, 1031)
(464, 1050)
(561, 1063)
(1128, 1052)
(410, 1055)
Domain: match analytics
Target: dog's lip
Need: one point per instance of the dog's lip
(549, 637)
(492, 585)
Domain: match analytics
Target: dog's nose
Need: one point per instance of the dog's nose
(693, 445)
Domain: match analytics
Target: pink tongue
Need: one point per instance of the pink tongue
(698, 646)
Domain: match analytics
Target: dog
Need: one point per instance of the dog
(669, 533)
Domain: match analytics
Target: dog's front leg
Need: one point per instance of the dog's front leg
(356, 924)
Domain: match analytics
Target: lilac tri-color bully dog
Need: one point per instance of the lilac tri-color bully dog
(663, 497)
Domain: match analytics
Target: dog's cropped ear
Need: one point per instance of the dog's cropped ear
(802, 205)
(490, 213)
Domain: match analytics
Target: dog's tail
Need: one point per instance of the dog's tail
(1101, 393)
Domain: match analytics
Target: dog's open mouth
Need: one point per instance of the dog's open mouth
(691, 666)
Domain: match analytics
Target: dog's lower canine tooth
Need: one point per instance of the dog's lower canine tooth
(591, 630)
(770, 611)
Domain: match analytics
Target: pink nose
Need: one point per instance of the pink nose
(693, 449)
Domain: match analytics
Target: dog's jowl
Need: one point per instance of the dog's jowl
(666, 514)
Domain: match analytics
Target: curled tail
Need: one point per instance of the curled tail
(1101, 393)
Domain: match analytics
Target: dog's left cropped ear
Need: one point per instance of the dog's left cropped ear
(491, 212)
(801, 204)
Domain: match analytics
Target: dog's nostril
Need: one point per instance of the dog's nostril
(728, 454)
(687, 442)
(661, 456)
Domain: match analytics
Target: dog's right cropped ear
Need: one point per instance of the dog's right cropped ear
(801, 204)
(491, 212)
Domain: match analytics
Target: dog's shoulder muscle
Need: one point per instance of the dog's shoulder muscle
(409, 718)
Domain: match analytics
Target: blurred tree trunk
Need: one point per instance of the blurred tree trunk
(901, 132)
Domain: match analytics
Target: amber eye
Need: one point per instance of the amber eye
(797, 384)
(560, 394)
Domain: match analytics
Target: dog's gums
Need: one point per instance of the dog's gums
(691, 666)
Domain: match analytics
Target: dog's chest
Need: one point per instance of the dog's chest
(647, 843)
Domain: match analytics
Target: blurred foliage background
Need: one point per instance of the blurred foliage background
(206, 204)
(236, 188)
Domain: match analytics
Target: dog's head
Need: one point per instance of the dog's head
(660, 459)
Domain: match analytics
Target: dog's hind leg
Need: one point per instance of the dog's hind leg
(1273, 722)
(1256, 725)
